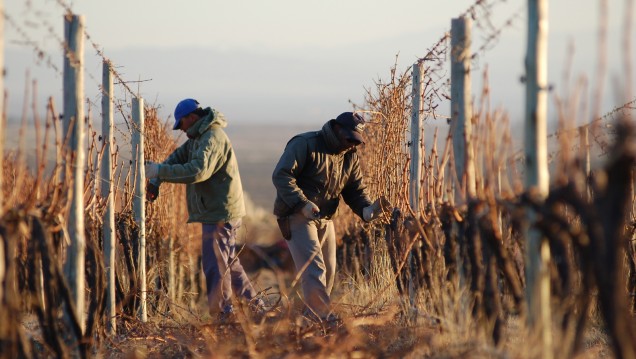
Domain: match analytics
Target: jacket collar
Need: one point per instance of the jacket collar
(331, 139)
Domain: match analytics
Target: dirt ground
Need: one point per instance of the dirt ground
(272, 338)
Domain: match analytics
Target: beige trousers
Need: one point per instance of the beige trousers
(313, 248)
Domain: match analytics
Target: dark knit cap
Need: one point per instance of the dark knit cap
(353, 124)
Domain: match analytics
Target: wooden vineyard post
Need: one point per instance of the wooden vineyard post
(416, 136)
(2, 122)
(584, 144)
(140, 199)
(416, 158)
(2, 117)
(461, 107)
(106, 179)
(537, 176)
(74, 127)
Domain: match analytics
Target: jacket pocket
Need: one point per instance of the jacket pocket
(198, 200)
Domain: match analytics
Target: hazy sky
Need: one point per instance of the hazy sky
(291, 60)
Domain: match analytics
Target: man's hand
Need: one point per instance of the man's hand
(152, 170)
(311, 211)
(152, 191)
(379, 207)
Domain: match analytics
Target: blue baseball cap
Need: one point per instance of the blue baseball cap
(184, 108)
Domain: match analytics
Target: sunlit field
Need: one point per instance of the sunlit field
(446, 272)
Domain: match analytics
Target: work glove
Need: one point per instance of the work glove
(152, 170)
(379, 207)
(152, 191)
(311, 211)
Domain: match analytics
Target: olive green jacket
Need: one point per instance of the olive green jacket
(207, 164)
(312, 168)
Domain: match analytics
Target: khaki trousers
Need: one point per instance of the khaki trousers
(313, 248)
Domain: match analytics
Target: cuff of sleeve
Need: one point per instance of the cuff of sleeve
(298, 207)
(360, 210)
(159, 165)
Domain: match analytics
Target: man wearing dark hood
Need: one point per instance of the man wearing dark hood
(314, 171)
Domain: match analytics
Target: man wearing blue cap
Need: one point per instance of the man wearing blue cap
(314, 171)
(206, 163)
